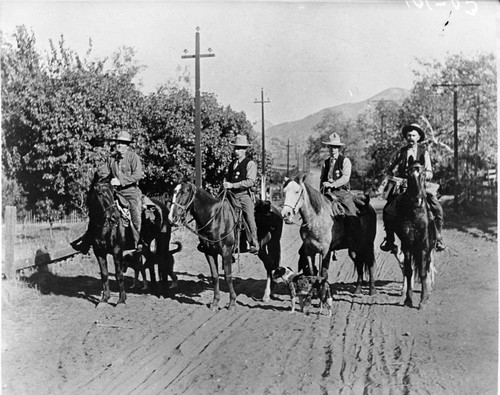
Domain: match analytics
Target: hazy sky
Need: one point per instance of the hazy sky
(305, 55)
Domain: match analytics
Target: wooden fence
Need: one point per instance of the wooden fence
(481, 194)
(32, 218)
(11, 266)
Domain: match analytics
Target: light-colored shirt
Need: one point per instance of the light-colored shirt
(127, 168)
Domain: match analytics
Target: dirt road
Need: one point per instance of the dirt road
(59, 343)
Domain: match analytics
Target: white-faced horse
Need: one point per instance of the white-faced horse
(323, 231)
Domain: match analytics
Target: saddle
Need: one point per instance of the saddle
(124, 208)
(337, 207)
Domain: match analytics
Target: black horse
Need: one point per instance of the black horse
(218, 224)
(417, 234)
(108, 234)
(155, 235)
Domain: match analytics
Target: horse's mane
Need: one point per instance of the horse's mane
(207, 197)
(317, 200)
(416, 185)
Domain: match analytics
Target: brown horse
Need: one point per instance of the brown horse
(417, 234)
(218, 225)
(108, 234)
(323, 230)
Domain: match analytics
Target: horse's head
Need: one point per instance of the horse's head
(100, 199)
(416, 182)
(182, 200)
(293, 200)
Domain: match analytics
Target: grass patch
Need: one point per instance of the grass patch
(17, 293)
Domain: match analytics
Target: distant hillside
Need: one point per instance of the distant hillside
(257, 126)
(299, 131)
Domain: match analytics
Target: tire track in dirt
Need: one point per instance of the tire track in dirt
(192, 353)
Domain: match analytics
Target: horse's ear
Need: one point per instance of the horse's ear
(95, 179)
(303, 177)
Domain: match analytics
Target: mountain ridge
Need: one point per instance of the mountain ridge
(299, 131)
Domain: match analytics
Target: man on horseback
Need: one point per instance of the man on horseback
(409, 154)
(125, 167)
(240, 179)
(334, 182)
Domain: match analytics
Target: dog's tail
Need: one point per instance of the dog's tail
(177, 249)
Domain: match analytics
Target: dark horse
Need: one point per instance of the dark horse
(108, 234)
(324, 230)
(417, 234)
(218, 224)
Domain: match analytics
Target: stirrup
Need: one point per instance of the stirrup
(439, 246)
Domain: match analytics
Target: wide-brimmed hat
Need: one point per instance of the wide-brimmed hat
(413, 126)
(334, 141)
(241, 141)
(123, 137)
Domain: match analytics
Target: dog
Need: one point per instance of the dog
(305, 287)
(169, 265)
(165, 262)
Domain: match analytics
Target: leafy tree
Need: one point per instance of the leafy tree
(432, 106)
(57, 114)
(352, 132)
(169, 138)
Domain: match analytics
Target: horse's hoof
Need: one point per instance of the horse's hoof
(213, 306)
(373, 291)
(408, 302)
(357, 291)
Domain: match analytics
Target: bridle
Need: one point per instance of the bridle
(419, 198)
(297, 202)
(186, 208)
(109, 220)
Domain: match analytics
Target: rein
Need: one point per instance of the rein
(297, 202)
(418, 186)
(196, 232)
(108, 220)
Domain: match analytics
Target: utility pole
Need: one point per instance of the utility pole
(297, 157)
(455, 134)
(477, 121)
(288, 159)
(263, 174)
(197, 106)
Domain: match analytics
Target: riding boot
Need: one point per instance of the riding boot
(439, 235)
(388, 244)
(82, 244)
